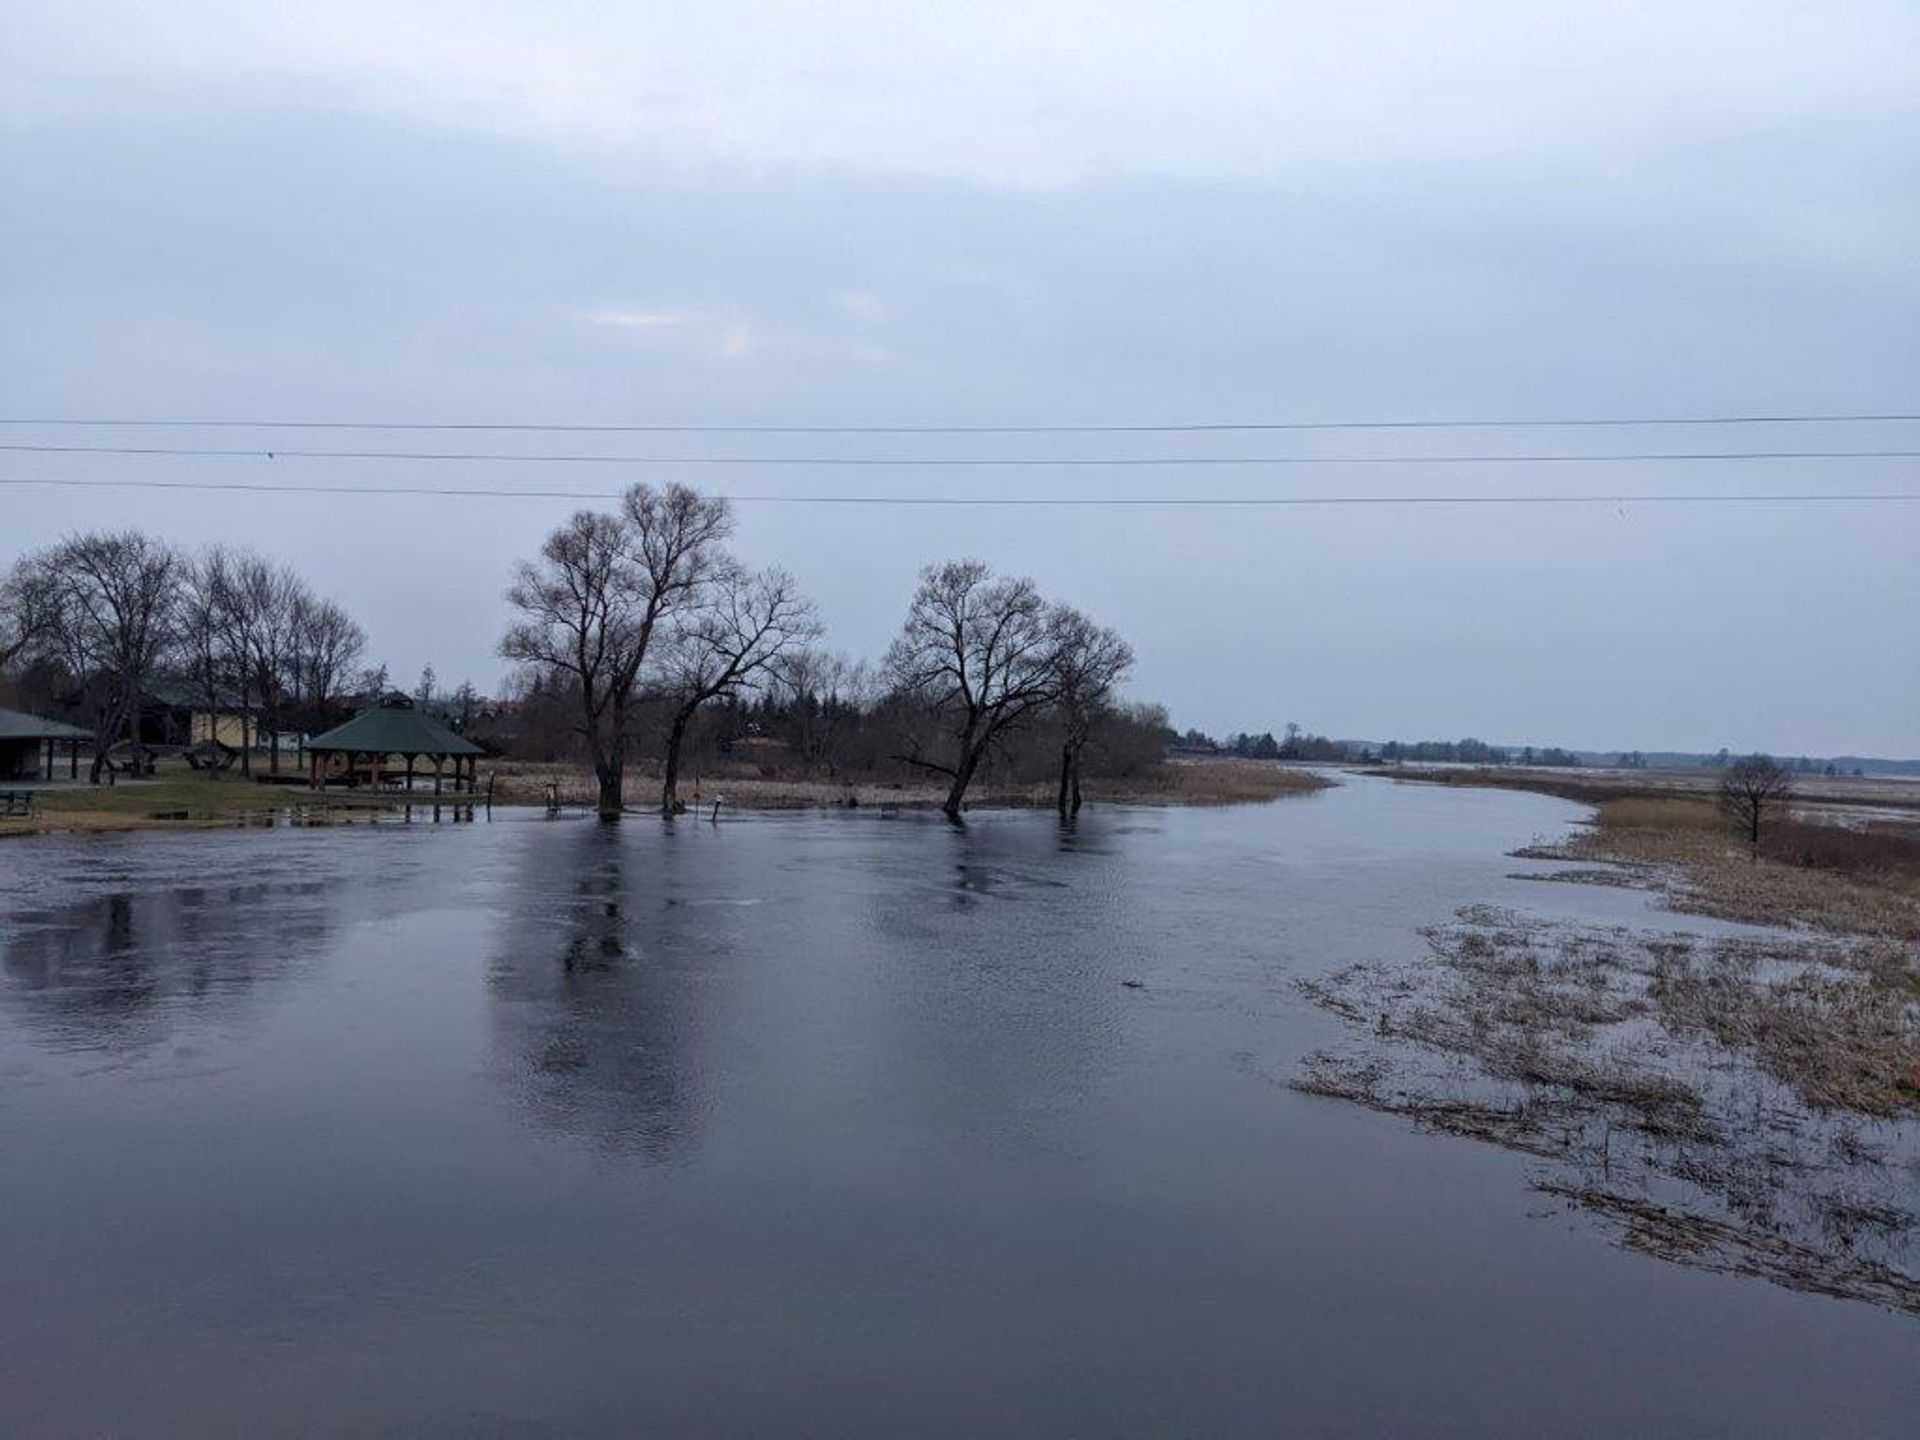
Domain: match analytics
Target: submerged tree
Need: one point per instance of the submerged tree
(596, 598)
(742, 626)
(1089, 660)
(981, 654)
(1753, 789)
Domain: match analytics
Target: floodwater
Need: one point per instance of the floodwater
(836, 1124)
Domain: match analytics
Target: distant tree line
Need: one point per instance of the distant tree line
(1299, 744)
(94, 626)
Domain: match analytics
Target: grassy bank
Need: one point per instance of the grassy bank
(1860, 878)
(1805, 873)
(187, 800)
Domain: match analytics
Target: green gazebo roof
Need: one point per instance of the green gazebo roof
(389, 730)
(18, 725)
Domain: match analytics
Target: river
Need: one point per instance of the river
(810, 1124)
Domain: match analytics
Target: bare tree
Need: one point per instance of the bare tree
(27, 608)
(327, 645)
(1090, 660)
(596, 597)
(826, 691)
(466, 701)
(743, 626)
(110, 606)
(202, 624)
(266, 599)
(1751, 790)
(979, 652)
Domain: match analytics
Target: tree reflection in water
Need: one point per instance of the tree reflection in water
(595, 986)
(124, 972)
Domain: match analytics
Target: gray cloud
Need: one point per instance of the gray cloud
(285, 226)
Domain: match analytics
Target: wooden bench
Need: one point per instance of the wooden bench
(16, 804)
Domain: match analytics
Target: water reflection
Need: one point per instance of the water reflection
(998, 984)
(122, 971)
(587, 990)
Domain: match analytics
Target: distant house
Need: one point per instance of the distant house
(29, 745)
(229, 723)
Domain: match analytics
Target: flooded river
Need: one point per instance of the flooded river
(836, 1124)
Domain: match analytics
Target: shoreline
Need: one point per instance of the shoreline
(1731, 1100)
(1812, 871)
(184, 800)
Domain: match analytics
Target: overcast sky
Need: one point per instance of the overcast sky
(1030, 214)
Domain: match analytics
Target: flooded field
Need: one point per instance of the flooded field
(817, 1124)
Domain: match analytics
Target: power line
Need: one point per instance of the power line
(950, 462)
(1202, 427)
(1025, 501)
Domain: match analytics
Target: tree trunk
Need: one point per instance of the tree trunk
(247, 730)
(962, 778)
(106, 735)
(102, 742)
(1066, 779)
(670, 767)
(609, 773)
(1076, 781)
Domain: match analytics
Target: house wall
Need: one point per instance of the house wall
(230, 730)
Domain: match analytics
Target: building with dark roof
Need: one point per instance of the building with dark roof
(360, 752)
(28, 744)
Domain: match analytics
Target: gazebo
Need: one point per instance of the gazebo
(359, 750)
(27, 745)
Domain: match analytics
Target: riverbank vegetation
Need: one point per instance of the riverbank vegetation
(1741, 1101)
(644, 607)
(133, 638)
(1734, 1102)
(1840, 856)
(642, 644)
(743, 780)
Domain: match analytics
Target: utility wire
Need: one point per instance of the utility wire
(951, 462)
(1195, 501)
(1550, 423)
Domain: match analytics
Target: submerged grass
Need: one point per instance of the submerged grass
(1736, 1103)
(1180, 782)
